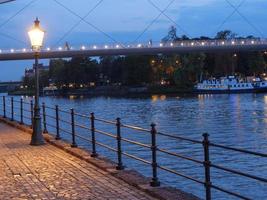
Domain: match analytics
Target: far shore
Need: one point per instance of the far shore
(109, 91)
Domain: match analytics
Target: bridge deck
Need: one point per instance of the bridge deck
(46, 172)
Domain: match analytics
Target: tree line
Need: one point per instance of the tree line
(180, 70)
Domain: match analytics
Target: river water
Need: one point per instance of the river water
(238, 120)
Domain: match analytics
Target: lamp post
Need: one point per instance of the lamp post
(36, 35)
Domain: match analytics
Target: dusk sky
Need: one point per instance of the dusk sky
(123, 20)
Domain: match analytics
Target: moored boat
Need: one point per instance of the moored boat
(232, 84)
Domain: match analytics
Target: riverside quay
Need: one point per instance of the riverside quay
(133, 100)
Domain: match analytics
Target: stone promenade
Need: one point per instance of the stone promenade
(46, 172)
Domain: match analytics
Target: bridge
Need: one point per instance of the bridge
(184, 46)
(133, 48)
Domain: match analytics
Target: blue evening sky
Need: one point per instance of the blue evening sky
(123, 20)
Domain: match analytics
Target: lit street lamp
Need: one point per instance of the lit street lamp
(36, 35)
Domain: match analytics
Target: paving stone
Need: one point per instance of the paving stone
(46, 172)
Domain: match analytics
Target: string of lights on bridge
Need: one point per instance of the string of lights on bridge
(182, 43)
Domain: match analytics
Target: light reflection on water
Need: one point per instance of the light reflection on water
(236, 120)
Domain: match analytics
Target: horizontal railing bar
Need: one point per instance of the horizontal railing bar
(51, 108)
(27, 117)
(50, 116)
(17, 101)
(179, 156)
(84, 138)
(28, 111)
(106, 146)
(64, 111)
(135, 128)
(179, 174)
(105, 121)
(65, 131)
(136, 158)
(53, 126)
(134, 142)
(64, 121)
(82, 126)
(239, 173)
(237, 149)
(229, 192)
(82, 115)
(105, 133)
(179, 138)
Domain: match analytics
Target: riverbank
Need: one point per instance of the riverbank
(110, 91)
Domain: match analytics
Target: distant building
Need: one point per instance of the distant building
(30, 72)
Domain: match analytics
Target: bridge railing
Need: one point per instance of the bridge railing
(179, 43)
(65, 124)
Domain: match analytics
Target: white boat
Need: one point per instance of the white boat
(232, 84)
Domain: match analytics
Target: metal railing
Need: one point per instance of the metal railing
(22, 110)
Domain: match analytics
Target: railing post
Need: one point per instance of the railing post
(31, 114)
(44, 118)
(4, 106)
(94, 154)
(207, 166)
(119, 151)
(57, 124)
(73, 128)
(12, 109)
(21, 111)
(154, 182)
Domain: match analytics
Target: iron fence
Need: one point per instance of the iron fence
(22, 111)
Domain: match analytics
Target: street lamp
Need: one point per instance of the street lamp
(36, 35)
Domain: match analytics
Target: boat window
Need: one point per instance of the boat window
(234, 85)
(247, 85)
(263, 83)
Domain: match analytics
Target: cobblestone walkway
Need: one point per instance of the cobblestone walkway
(46, 172)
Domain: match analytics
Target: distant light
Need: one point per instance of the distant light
(12, 50)
(0, 51)
(95, 47)
(242, 42)
(192, 43)
(117, 46)
(235, 55)
(139, 45)
(106, 46)
(171, 44)
(182, 44)
(203, 43)
(83, 47)
(47, 49)
(223, 42)
(24, 50)
(60, 48)
(252, 42)
(233, 42)
(161, 45)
